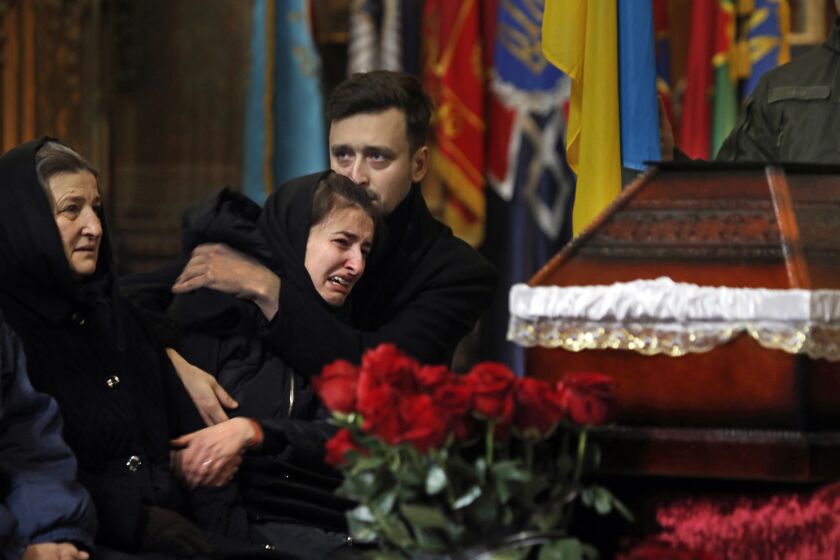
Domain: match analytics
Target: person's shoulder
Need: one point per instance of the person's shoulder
(810, 68)
(452, 253)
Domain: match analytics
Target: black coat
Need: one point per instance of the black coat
(120, 399)
(423, 290)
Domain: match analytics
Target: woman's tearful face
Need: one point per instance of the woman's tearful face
(336, 252)
(76, 204)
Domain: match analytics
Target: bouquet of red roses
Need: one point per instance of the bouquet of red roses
(441, 462)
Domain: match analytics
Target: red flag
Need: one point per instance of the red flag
(695, 124)
(453, 75)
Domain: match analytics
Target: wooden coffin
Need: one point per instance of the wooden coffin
(740, 409)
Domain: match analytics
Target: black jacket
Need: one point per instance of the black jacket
(120, 399)
(40, 500)
(794, 113)
(423, 290)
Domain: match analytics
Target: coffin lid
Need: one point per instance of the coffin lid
(690, 256)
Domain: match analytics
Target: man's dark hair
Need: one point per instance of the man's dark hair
(335, 192)
(380, 90)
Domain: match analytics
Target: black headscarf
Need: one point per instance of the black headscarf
(275, 235)
(285, 225)
(33, 267)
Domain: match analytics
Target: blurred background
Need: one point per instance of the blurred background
(171, 99)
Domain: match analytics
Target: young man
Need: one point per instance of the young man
(424, 289)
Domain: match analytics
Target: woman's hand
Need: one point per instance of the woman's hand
(218, 267)
(208, 396)
(53, 551)
(210, 457)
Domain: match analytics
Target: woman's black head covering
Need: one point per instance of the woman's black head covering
(275, 235)
(285, 225)
(33, 267)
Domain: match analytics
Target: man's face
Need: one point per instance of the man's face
(372, 149)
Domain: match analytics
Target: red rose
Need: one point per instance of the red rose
(385, 364)
(423, 424)
(381, 406)
(493, 385)
(456, 397)
(538, 408)
(432, 377)
(336, 386)
(339, 445)
(587, 397)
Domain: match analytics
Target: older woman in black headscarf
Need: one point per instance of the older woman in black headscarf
(120, 401)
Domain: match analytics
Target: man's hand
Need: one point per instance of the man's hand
(53, 551)
(217, 266)
(210, 457)
(208, 396)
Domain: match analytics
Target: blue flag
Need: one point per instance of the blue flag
(767, 40)
(639, 107)
(285, 134)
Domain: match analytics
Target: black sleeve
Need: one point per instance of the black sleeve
(36, 465)
(428, 328)
(150, 294)
(305, 438)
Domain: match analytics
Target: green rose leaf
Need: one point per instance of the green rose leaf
(614, 502)
(603, 500)
(363, 485)
(436, 480)
(511, 470)
(424, 516)
(566, 549)
(366, 463)
(384, 502)
(513, 554)
(467, 498)
(429, 540)
(395, 531)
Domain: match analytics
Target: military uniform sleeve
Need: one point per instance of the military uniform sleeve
(427, 328)
(44, 502)
(755, 136)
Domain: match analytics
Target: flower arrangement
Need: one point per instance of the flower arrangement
(440, 463)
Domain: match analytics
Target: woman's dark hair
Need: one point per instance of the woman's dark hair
(54, 158)
(380, 90)
(335, 192)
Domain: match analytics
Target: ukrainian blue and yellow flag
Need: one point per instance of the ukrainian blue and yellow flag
(607, 49)
(285, 134)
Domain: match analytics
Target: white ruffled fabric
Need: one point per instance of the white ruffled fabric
(663, 316)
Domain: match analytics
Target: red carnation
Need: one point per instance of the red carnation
(538, 408)
(339, 445)
(493, 385)
(587, 397)
(336, 386)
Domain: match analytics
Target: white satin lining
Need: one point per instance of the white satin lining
(663, 316)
